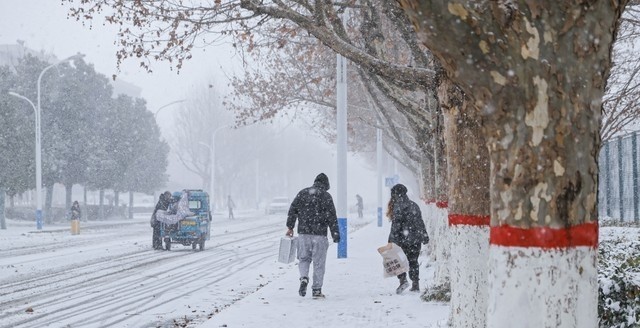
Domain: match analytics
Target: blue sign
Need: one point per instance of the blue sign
(391, 181)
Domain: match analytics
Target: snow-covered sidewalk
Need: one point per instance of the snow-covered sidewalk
(357, 294)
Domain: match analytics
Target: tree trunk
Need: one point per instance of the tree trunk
(84, 196)
(48, 214)
(116, 198)
(12, 201)
(426, 184)
(537, 69)
(442, 237)
(130, 214)
(3, 222)
(469, 207)
(68, 194)
(101, 205)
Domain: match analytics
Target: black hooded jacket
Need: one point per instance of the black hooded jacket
(407, 226)
(314, 209)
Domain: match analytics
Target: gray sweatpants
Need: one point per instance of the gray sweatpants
(313, 248)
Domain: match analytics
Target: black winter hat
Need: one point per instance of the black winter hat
(322, 180)
(398, 190)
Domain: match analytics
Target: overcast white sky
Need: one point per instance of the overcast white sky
(43, 25)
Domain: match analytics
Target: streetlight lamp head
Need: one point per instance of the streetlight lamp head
(13, 94)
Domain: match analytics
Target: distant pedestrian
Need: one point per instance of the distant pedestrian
(315, 212)
(163, 204)
(359, 205)
(407, 231)
(231, 205)
(76, 214)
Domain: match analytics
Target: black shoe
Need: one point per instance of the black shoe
(317, 293)
(303, 286)
(403, 285)
(415, 287)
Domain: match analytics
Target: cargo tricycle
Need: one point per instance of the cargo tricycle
(194, 227)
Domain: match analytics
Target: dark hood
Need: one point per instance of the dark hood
(322, 181)
(398, 191)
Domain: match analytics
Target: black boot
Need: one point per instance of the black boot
(415, 287)
(404, 284)
(317, 293)
(303, 286)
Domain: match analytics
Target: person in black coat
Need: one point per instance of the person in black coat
(315, 212)
(163, 204)
(407, 231)
(76, 214)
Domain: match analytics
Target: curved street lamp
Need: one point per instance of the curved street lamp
(155, 115)
(38, 112)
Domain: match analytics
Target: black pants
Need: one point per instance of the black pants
(156, 240)
(412, 252)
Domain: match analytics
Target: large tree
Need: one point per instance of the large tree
(17, 140)
(536, 70)
(77, 99)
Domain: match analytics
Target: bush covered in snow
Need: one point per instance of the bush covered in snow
(437, 293)
(619, 281)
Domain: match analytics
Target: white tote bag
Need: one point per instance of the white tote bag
(394, 261)
(288, 249)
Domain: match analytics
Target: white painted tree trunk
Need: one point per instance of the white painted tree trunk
(442, 246)
(429, 214)
(542, 288)
(469, 293)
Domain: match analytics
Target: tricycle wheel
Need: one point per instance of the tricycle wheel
(201, 244)
(167, 244)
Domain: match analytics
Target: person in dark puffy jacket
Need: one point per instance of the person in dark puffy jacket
(163, 204)
(407, 231)
(315, 212)
(76, 214)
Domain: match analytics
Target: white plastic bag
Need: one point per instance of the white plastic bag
(288, 249)
(394, 261)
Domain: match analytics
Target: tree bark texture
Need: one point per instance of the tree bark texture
(3, 221)
(48, 201)
(67, 195)
(440, 149)
(469, 207)
(426, 183)
(537, 70)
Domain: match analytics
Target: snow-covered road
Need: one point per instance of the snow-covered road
(108, 276)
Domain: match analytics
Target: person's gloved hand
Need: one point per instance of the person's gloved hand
(289, 233)
(336, 239)
(425, 240)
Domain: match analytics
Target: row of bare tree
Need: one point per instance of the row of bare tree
(498, 104)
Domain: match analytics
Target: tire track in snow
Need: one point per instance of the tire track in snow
(65, 278)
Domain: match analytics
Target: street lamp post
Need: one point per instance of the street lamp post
(38, 112)
(213, 157)
(212, 153)
(155, 115)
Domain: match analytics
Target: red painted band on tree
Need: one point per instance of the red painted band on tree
(472, 220)
(442, 204)
(585, 234)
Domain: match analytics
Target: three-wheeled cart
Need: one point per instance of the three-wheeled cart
(193, 230)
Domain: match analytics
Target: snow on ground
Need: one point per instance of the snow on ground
(108, 276)
(357, 294)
